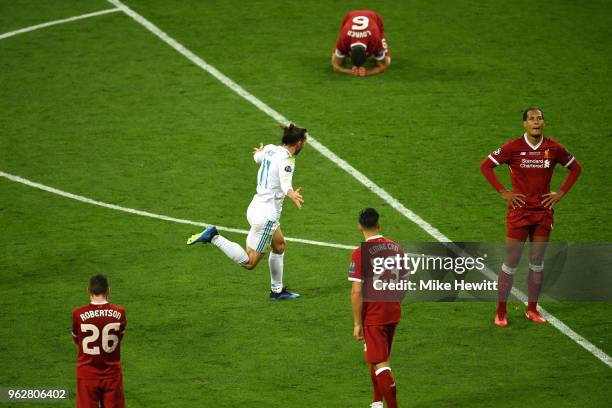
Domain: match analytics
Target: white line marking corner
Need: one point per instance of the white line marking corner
(56, 22)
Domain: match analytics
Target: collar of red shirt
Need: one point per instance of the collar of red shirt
(99, 302)
(374, 237)
(533, 147)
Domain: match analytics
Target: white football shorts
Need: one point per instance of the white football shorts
(264, 220)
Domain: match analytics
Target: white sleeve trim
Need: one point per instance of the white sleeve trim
(381, 369)
(339, 54)
(493, 160)
(381, 56)
(73, 335)
(570, 162)
(355, 280)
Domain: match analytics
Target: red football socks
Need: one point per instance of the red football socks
(377, 394)
(534, 285)
(504, 286)
(386, 383)
(501, 308)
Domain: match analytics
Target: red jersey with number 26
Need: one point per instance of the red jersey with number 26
(362, 27)
(532, 166)
(97, 328)
(373, 313)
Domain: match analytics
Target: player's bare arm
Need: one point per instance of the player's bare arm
(514, 200)
(380, 67)
(357, 304)
(296, 197)
(338, 66)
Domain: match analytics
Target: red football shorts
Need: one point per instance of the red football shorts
(521, 224)
(107, 393)
(378, 340)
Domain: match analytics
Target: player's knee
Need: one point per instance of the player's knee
(279, 247)
(254, 258)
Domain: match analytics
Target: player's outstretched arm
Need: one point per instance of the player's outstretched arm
(296, 197)
(380, 67)
(338, 66)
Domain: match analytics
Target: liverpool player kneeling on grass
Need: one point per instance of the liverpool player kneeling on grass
(97, 329)
(374, 322)
(361, 35)
(531, 159)
(274, 182)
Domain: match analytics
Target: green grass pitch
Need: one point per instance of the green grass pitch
(102, 108)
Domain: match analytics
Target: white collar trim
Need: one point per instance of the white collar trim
(533, 147)
(359, 43)
(99, 302)
(374, 237)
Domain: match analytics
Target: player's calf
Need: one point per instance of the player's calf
(253, 259)
(386, 383)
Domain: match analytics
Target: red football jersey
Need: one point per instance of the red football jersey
(373, 313)
(531, 166)
(97, 328)
(362, 27)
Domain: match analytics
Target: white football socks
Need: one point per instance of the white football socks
(231, 249)
(275, 261)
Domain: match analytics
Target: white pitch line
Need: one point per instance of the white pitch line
(56, 22)
(362, 178)
(87, 200)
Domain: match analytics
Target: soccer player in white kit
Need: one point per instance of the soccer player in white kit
(276, 167)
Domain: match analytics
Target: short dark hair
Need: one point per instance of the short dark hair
(98, 284)
(293, 134)
(368, 218)
(529, 109)
(358, 55)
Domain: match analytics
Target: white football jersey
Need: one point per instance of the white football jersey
(276, 167)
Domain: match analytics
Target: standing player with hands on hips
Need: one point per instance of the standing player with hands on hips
(97, 329)
(374, 322)
(361, 35)
(531, 159)
(274, 182)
